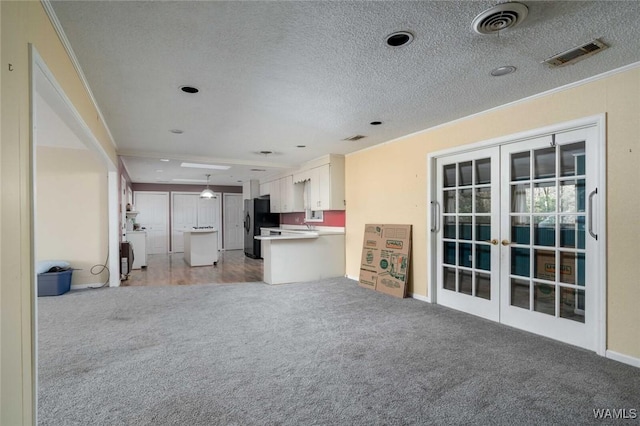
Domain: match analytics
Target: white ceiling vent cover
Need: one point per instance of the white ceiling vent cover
(576, 54)
(500, 17)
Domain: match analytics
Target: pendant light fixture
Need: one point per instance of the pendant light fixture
(207, 193)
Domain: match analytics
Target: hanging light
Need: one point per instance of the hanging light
(207, 193)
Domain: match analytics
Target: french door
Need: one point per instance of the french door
(154, 217)
(469, 228)
(516, 237)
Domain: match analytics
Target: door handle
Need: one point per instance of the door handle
(494, 242)
(594, 192)
(435, 210)
(506, 243)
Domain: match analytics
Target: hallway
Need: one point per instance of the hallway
(171, 269)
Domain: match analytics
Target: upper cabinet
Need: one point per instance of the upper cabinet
(317, 185)
(291, 197)
(323, 183)
(284, 197)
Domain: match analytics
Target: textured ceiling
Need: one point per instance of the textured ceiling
(274, 75)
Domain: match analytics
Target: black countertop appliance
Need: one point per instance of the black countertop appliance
(257, 214)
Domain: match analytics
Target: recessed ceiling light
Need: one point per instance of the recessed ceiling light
(177, 131)
(159, 171)
(258, 170)
(500, 71)
(301, 146)
(239, 181)
(205, 166)
(266, 152)
(376, 123)
(399, 38)
(164, 159)
(189, 89)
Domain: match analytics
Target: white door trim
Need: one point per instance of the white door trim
(42, 78)
(599, 122)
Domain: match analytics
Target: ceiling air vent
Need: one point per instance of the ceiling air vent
(354, 138)
(499, 17)
(576, 54)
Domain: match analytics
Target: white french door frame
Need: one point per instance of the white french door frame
(598, 218)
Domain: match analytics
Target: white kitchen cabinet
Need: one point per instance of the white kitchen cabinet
(274, 198)
(318, 185)
(251, 189)
(284, 196)
(323, 183)
(265, 188)
(291, 197)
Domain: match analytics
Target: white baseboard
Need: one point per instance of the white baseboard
(88, 285)
(625, 359)
(412, 295)
(420, 297)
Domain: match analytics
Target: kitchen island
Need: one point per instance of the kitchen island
(201, 247)
(296, 255)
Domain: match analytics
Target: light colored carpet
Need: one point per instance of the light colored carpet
(323, 352)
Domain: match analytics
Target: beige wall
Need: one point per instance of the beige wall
(388, 184)
(21, 23)
(71, 198)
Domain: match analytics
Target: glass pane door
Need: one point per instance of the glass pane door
(468, 236)
(544, 285)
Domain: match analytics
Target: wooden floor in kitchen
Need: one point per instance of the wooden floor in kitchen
(171, 269)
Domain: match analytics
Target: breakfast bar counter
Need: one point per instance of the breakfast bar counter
(301, 255)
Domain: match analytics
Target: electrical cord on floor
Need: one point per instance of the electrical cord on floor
(102, 267)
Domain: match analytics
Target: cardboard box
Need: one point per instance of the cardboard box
(386, 253)
(546, 267)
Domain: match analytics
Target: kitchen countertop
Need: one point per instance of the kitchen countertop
(301, 230)
(289, 236)
(195, 231)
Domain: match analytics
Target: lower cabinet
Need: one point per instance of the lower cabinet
(138, 240)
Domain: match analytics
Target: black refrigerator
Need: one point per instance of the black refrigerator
(257, 215)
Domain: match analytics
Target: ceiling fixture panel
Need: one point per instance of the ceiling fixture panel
(576, 54)
(205, 166)
(354, 138)
(188, 180)
(499, 17)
